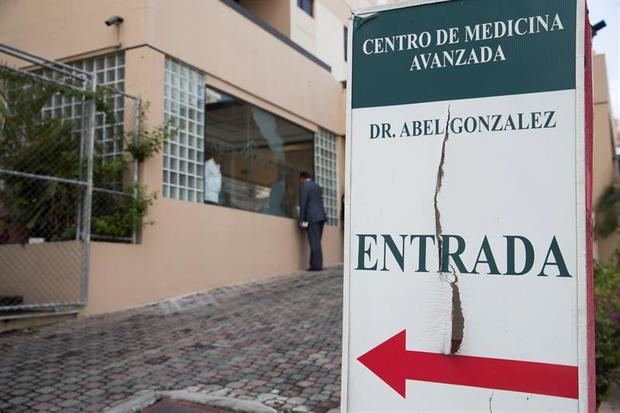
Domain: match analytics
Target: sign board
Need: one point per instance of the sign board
(466, 259)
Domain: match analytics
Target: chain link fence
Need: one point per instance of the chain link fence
(116, 178)
(64, 176)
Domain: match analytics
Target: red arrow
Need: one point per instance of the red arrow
(394, 364)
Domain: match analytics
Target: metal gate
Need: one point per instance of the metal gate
(62, 176)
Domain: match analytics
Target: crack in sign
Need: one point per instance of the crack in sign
(439, 183)
(457, 318)
(491, 402)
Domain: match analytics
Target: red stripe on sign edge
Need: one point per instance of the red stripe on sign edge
(589, 134)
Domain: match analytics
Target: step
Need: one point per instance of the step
(6, 300)
(28, 320)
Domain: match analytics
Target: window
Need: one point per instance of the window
(307, 6)
(346, 41)
(326, 164)
(109, 71)
(183, 151)
(252, 157)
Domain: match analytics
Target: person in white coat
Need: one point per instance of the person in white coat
(212, 180)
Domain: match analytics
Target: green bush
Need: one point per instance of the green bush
(608, 211)
(47, 145)
(123, 215)
(33, 144)
(607, 296)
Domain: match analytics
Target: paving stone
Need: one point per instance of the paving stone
(276, 340)
(319, 397)
(296, 400)
(43, 407)
(265, 396)
(69, 403)
(44, 397)
(18, 400)
(20, 392)
(46, 389)
(95, 407)
(94, 392)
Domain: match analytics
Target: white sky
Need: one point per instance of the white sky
(607, 41)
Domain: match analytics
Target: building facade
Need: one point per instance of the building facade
(254, 91)
(605, 165)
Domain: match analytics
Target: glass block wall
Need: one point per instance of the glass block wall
(110, 71)
(184, 151)
(325, 170)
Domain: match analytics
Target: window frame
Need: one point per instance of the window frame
(311, 141)
(307, 6)
(346, 43)
(326, 171)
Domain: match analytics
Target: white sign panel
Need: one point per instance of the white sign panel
(465, 258)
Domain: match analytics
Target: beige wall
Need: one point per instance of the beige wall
(303, 28)
(604, 147)
(358, 4)
(63, 28)
(194, 247)
(323, 33)
(604, 169)
(329, 40)
(197, 32)
(340, 8)
(604, 166)
(276, 13)
(42, 273)
(248, 57)
(144, 77)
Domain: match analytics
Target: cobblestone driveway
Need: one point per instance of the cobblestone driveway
(276, 341)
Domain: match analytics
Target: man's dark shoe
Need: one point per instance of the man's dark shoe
(314, 269)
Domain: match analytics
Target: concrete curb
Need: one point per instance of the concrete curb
(149, 397)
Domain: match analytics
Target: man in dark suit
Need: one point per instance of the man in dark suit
(312, 218)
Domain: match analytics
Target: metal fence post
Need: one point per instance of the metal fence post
(136, 172)
(88, 198)
(83, 131)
